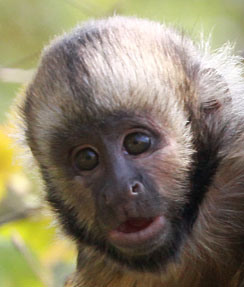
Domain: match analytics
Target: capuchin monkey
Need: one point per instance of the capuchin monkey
(139, 137)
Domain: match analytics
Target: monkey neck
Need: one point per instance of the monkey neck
(95, 270)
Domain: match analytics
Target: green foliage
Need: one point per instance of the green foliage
(14, 270)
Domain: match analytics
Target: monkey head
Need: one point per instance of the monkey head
(120, 121)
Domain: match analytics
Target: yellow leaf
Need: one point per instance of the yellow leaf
(8, 163)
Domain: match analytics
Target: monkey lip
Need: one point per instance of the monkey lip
(137, 231)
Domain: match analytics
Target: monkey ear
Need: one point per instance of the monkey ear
(210, 106)
(217, 93)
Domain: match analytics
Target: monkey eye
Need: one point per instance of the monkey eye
(85, 159)
(137, 143)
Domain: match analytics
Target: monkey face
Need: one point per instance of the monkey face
(129, 203)
(107, 119)
(126, 186)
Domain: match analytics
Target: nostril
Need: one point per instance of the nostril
(107, 199)
(136, 188)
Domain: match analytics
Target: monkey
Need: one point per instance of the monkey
(138, 134)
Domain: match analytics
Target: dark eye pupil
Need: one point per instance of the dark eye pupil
(86, 159)
(137, 143)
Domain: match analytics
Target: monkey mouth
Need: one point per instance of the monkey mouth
(137, 231)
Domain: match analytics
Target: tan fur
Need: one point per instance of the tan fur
(148, 68)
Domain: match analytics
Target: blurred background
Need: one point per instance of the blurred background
(32, 252)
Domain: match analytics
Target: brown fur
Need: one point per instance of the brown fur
(195, 98)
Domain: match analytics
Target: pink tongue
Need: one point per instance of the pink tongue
(134, 225)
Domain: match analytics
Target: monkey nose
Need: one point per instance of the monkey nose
(123, 194)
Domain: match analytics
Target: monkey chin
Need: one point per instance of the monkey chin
(138, 236)
(146, 245)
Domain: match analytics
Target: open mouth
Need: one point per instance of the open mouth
(137, 231)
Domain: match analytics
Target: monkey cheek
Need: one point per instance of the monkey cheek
(142, 240)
